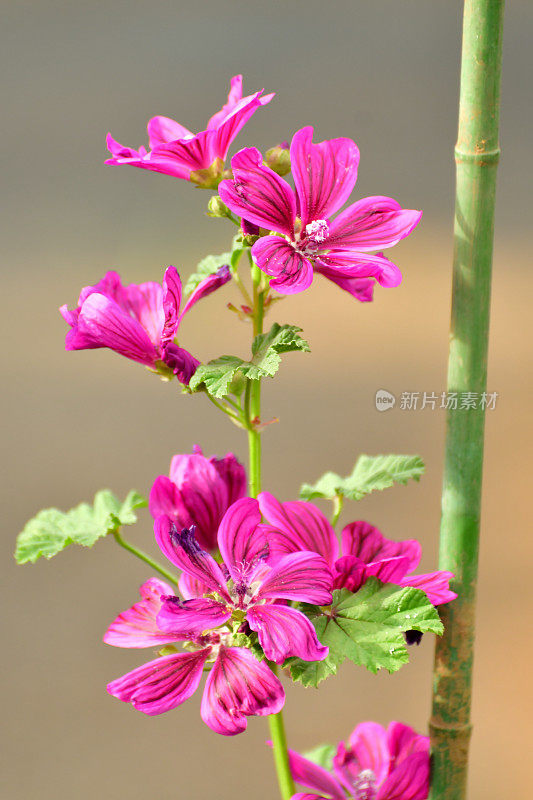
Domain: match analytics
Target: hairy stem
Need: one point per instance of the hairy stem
(476, 156)
(253, 413)
(144, 557)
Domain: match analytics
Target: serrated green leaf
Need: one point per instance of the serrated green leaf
(371, 473)
(218, 375)
(367, 628)
(322, 755)
(207, 266)
(51, 530)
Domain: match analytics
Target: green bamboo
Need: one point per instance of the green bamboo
(476, 154)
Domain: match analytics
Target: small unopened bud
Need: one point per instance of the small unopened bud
(278, 159)
(210, 177)
(216, 208)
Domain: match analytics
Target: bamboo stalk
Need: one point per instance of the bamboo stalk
(476, 154)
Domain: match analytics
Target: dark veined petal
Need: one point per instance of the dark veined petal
(183, 617)
(258, 194)
(324, 174)
(314, 777)
(300, 526)
(171, 304)
(234, 96)
(291, 271)
(182, 363)
(365, 541)
(137, 626)
(371, 224)
(435, 584)
(407, 781)
(237, 118)
(284, 631)
(369, 748)
(360, 288)
(162, 130)
(241, 539)
(163, 684)
(182, 550)
(305, 577)
(352, 264)
(237, 687)
(206, 287)
(189, 155)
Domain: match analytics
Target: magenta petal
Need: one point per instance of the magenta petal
(145, 302)
(351, 264)
(234, 95)
(191, 588)
(403, 740)
(120, 151)
(258, 193)
(371, 224)
(368, 743)
(360, 288)
(307, 796)
(283, 631)
(314, 777)
(191, 616)
(162, 130)
(182, 550)
(189, 155)
(239, 116)
(241, 539)
(349, 573)
(299, 576)
(233, 474)
(207, 287)
(237, 687)
(137, 626)
(301, 526)
(291, 271)
(408, 781)
(324, 174)
(163, 684)
(435, 584)
(171, 304)
(388, 570)
(103, 323)
(164, 499)
(181, 362)
(368, 543)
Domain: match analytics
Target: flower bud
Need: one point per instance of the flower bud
(278, 158)
(216, 208)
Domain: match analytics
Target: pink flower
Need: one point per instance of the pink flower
(177, 151)
(377, 764)
(365, 552)
(138, 321)
(306, 237)
(198, 492)
(245, 593)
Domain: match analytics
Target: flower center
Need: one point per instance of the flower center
(365, 785)
(316, 231)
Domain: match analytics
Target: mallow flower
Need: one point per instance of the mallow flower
(377, 764)
(198, 491)
(305, 238)
(139, 321)
(364, 551)
(223, 602)
(197, 157)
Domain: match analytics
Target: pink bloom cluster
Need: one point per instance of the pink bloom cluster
(139, 321)
(377, 764)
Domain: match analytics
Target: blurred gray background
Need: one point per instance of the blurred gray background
(385, 74)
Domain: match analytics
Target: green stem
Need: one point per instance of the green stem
(144, 557)
(338, 503)
(236, 418)
(253, 413)
(477, 153)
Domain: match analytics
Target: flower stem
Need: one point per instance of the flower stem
(144, 557)
(338, 503)
(253, 414)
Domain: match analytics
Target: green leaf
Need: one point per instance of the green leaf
(207, 266)
(322, 755)
(370, 473)
(51, 530)
(367, 628)
(217, 375)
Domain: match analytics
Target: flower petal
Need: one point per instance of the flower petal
(368, 745)
(164, 499)
(182, 550)
(300, 526)
(403, 740)
(102, 323)
(408, 781)
(360, 288)
(435, 584)
(163, 684)
(171, 304)
(258, 194)
(387, 570)
(234, 95)
(241, 539)
(237, 687)
(236, 119)
(233, 474)
(371, 224)
(351, 264)
(150, 161)
(187, 155)
(191, 587)
(207, 287)
(181, 362)
(324, 173)
(291, 271)
(284, 631)
(191, 616)
(299, 576)
(162, 130)
(145, 302)
(137, 626)
(349, 573)
(368, 543)
(313, 777)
